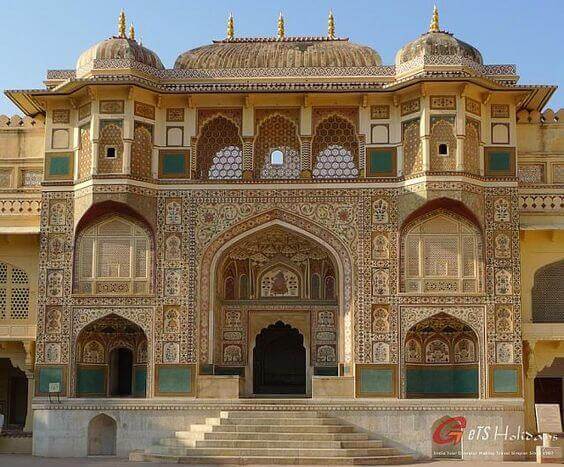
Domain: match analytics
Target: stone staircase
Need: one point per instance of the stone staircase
(273, 437)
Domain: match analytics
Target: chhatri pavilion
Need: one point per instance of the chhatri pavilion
(281, 248)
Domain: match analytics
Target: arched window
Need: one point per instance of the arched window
(335, 149)
(113, 257)
(442, 253)
(277, 149)
(219, 150)
(548, 294)
(14, 292)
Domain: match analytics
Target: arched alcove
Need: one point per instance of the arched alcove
(441, 359)
(111, 359)
(102, 433)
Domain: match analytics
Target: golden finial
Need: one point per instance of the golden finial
(434, 26)
(331, 25)
(132, 32)
(281, 32)
(121, 24)
(230, 27)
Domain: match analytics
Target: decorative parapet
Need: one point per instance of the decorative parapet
(546, 203)
(16, 122)
(20, 207)
(534, 116)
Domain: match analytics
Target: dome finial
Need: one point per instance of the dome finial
(281, 32)
(331, 25)
(434, 26)
(121, 24)
(230, 27)
(132, 32)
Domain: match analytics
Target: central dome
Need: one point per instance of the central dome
(289, 52)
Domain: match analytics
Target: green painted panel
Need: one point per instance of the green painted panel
(444, 381)
(139, 381)
(173, 164)
(505, 380)
(374, 380)
(91, 381)
(50, 375)
(499, 161)
(59, 165)
(174, 380)
(380, 162)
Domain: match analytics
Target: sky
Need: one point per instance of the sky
(39, 35)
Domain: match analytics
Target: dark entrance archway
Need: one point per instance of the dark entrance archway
(121, 372)
(279, 361)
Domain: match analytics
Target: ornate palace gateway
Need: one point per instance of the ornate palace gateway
(283, 224)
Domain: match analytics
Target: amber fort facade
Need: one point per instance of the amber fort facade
(279, 224)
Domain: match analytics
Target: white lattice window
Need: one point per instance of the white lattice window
(227, 164)
(442, 254)
(114, 257)
(14, 292)
(335, 162)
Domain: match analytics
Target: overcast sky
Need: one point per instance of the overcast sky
(39, 35)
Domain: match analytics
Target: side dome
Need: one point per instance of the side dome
(437, 47)
(101, 55)
(272, 53)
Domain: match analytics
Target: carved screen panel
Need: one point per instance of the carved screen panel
(113, 257)
(335, 148)
(442, 255)
(14, 292)
(548, 294)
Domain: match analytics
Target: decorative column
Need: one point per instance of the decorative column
(94, 135)
(29, 347)
(460, 133)
(248, 135)
(305, 138)
(425, 129)
(128, 132)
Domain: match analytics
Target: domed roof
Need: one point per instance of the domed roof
(285, 52)
(438, 47)
(118, 47)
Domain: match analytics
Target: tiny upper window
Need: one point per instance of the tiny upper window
(277, 157)
(443, 149)
(111, 152)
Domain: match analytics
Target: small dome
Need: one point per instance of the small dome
(289, 52)
(435, 46)
(116, 48)
(438, 47)
(120, 47)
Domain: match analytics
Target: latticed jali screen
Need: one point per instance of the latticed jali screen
(114, 257)
(277, 133)
(219, 150)
(442, 255)
(335, 149)
(14, 293)
(548, 294)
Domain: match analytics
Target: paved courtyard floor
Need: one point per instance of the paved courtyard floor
(18, 460)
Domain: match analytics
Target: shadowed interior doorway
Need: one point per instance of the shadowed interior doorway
(279, 361)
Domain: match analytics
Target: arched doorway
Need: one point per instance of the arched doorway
(102, 431)
(279, 361)
(121, 372)
(441, 359)
(111, 359)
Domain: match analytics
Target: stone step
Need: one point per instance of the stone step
(270, 452)
(282, 428)
(272, 436)
(268, 443)
(269, 414)
(275, 421)
(138, 456)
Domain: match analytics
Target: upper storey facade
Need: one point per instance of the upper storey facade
(295, 109)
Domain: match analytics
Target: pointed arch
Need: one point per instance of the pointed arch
(102, 436)
(215, 250)
(219, 149)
